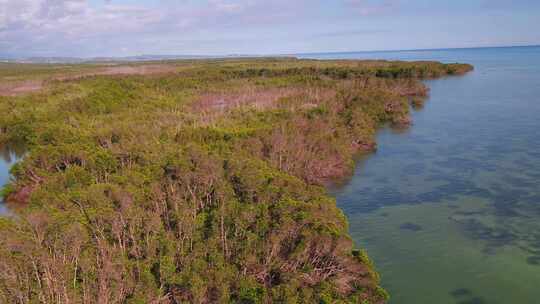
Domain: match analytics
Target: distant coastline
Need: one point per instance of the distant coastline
(153, 57)
(418, 50)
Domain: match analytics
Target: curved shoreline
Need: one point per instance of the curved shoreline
(224, 166)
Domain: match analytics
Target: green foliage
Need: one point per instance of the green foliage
(6, 191)
(250, 292)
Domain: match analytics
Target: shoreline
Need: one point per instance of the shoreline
(210, 155)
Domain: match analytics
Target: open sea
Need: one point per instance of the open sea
(449, 209)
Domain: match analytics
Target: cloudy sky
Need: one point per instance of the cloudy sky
(87, 28)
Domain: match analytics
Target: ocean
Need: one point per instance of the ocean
(449, 209)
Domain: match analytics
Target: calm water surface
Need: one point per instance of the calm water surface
(449, 209)
(9, 155)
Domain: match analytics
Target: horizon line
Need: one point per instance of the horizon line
(194, 56)
(418, 50)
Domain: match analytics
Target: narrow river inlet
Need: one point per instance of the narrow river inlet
(449, 209)
(9, 155)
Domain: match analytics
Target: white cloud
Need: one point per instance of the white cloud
(26, 25)
(365, 8)
(77, 27)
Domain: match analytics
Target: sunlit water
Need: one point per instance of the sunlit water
(449, 209)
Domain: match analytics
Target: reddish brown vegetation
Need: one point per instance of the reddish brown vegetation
(262, 98)
(20, 87)
(14, 88)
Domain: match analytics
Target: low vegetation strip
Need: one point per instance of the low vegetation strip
(18, 79)
(201, 185)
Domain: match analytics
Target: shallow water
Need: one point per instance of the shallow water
(449, 209)
(9, 155)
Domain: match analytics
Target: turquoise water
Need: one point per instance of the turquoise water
(449, 209)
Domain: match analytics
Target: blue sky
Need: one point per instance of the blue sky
(87, 28)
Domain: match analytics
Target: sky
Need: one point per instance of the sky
(90, 28)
